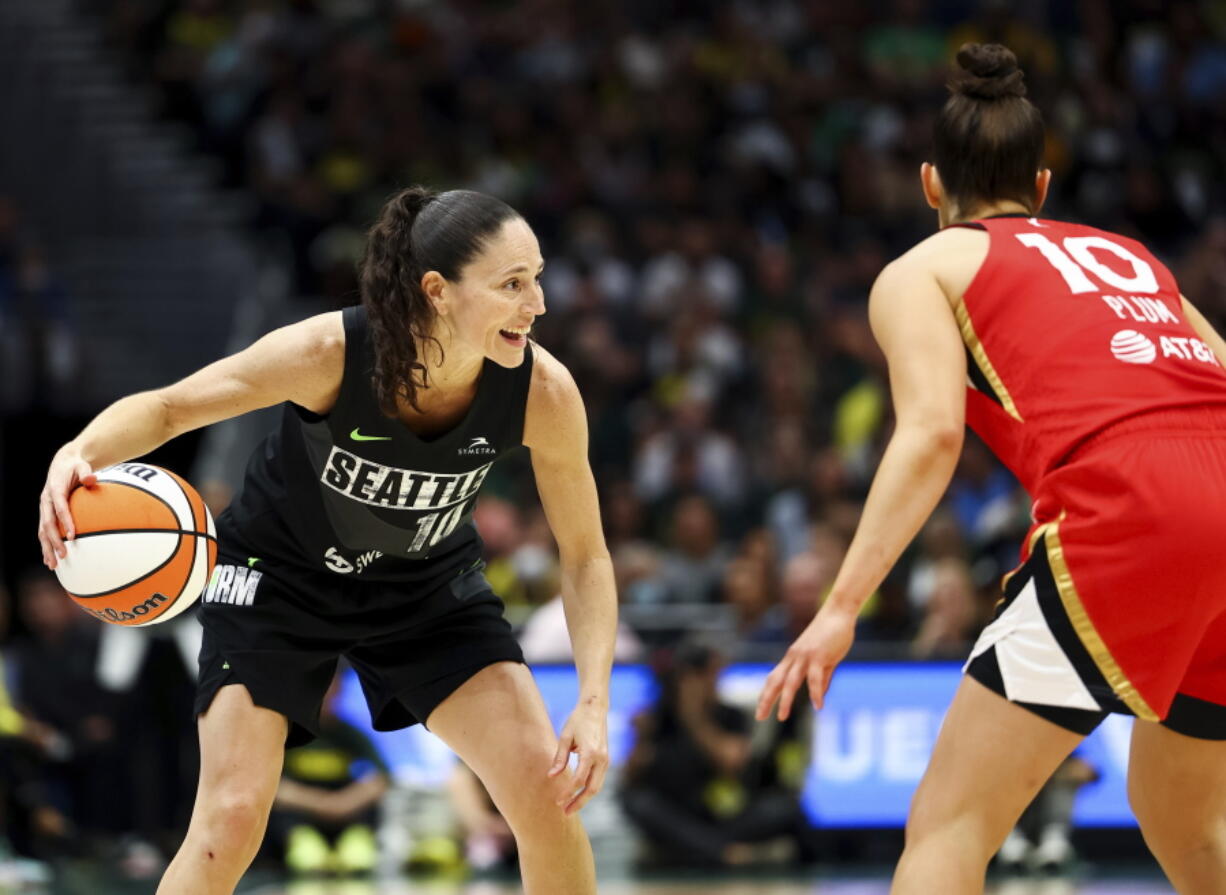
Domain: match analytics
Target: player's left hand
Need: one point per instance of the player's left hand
(586, 732)
(811, 659)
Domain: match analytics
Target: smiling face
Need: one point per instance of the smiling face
(490, 309)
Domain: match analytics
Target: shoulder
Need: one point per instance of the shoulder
(555, 407)
(326, 331)
(552, 387)
(310, 356)
(318, 343)
(317, 338)
(951, 257)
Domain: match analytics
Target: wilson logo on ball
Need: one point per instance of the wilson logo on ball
(130, 616)
(1132, 347)
(144, 548)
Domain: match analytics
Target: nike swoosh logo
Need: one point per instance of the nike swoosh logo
(357, 436)
(251, 561)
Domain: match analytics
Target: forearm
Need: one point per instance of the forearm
(914, 472)
(727, 751)
(359, 796)
(295, 796)
(589, 597)
(131, 427)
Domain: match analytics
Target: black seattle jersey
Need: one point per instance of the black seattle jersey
(359, 493)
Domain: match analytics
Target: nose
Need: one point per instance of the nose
(535, 303)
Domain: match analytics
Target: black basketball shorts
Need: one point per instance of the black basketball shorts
(279, 630)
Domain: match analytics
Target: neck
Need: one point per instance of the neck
(950, 215)
(455, 368)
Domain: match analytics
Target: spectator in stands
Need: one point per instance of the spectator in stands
(688, 454)
(692, 786)
(993, 512)
(806, 580)
(30, 825)
(501, 525)
(40, 360)
(941, 538)
(325, 811)
(952, 616)
(55, 687)
(545, 637)
(693, 564)
(749, 589)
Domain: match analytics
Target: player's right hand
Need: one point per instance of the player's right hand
(68, 469)
(810, 660)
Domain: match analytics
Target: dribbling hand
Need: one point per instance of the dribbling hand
(812, 660)
(585, 732)
(68, 469)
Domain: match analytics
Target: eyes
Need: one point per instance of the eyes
(515, 283)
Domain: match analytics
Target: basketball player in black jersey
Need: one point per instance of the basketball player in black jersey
(352, 536)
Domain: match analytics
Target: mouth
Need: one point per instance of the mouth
(515, 335)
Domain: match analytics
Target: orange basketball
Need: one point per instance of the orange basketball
(144, 547)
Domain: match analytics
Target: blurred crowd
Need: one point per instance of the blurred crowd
(715, 186)
(40, 350)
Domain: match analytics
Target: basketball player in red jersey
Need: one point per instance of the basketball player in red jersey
(1072, 353)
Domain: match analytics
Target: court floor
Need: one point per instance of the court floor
(1140, 882)
(831, 886)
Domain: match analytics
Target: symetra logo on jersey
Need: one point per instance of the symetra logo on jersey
(399, 489)
(478, 447)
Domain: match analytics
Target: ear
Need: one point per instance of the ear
(434, 287)
(930, 181)
(1042, 181)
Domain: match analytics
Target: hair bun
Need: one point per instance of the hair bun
(989, 71)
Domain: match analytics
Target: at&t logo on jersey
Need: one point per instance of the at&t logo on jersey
(1133, 347)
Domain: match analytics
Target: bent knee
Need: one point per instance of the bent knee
(234, 812)
(1172, 831)
(1161, 815)
(540, 817)
(529, 802)
(975, 826)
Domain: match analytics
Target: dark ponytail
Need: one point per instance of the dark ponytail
(988, 139)
(418, 231)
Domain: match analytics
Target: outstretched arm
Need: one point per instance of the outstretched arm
(555, 430)
(916, 328)
(300, 363)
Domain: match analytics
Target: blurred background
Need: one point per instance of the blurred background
(715, 186)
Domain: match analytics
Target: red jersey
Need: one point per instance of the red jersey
(1070, 330)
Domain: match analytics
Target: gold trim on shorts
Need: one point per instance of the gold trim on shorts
(1085, 629)
(1034, 539)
